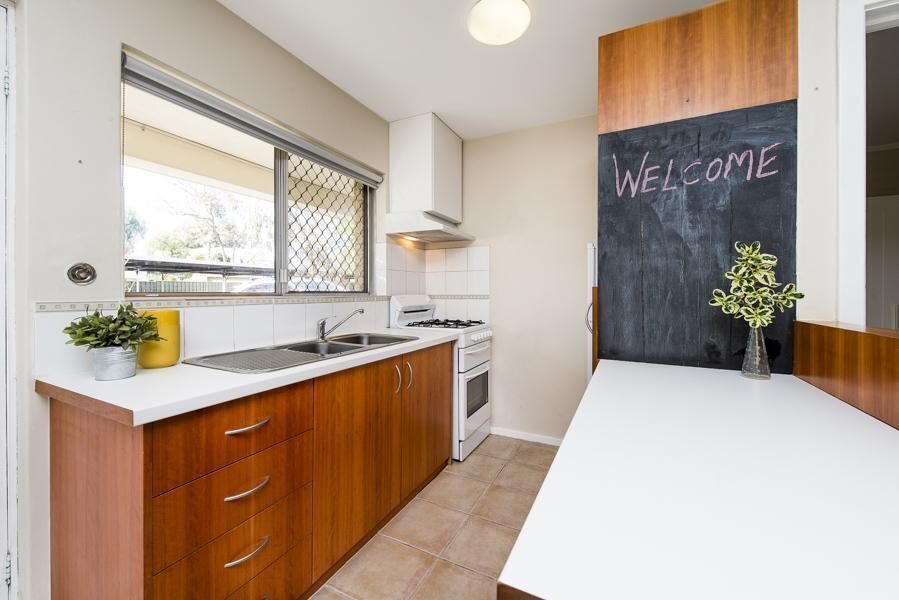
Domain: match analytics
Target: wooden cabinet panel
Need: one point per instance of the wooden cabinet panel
(194, 444)
(725, 56)
(97, 474)
(427, 414)
(191, 515)
(286, 579)
(356, 456)
(203, 574)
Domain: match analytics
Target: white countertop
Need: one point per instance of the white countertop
(696, 484)
(155, 394)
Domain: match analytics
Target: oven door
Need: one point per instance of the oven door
(474, 399)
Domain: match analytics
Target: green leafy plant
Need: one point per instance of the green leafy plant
(127, 329)
(753, 292)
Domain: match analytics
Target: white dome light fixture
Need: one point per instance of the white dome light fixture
(498, 22)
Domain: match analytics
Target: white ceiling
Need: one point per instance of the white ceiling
(406, 57)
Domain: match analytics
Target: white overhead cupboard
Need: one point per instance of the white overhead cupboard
(426, 168)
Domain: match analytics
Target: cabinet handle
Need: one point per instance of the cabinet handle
(244, 559)
(250, 492)
(408, 364)
(248, 428)
(399, 379)
(587, 318)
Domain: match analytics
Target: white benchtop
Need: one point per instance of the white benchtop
(683, 483)
(155, 394)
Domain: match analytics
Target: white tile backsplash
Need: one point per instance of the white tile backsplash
(479, 309)
(211, 329)
(440, 310)
(289, 322)
(456, 283)
(396, 283)
(396, 257)
(415, 282)
(456, 309)
(208, 330)
(49, 344)
(479, 283)
(435, 283)
(435, 261)
(457, 259)
(479, 258)
(253, 326)
(415, 260)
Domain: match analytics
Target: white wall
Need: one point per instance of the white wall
(816, 237)
(67, 195)
(531, 197)
(883, 261)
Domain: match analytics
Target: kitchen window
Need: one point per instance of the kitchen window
(220, 201)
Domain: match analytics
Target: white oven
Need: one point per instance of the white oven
(473, 404)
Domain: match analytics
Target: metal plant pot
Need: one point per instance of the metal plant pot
(113, 363)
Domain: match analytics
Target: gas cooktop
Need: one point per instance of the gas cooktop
(446, 323)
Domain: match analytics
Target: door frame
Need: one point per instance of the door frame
(854, 20)
(7, 305)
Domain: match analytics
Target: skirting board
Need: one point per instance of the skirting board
(528, 437)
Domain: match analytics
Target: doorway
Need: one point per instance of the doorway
(882, 177)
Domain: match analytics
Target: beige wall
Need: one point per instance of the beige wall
(531, 196)
(68, 198)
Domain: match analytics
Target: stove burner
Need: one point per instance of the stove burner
(446, 323)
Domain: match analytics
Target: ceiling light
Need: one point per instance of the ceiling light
(498, 22)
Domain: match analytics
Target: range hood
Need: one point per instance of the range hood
(420, 226)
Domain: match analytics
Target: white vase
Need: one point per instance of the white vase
(113, 363)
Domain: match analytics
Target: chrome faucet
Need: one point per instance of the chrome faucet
(323, 334)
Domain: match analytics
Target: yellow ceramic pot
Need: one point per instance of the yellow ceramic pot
(164, 353)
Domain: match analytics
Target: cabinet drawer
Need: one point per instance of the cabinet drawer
(286, 579)
(187, 517)
(248, 549)
(194, 444)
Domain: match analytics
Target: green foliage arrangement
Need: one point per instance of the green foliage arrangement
(127, 329)
(753, 288)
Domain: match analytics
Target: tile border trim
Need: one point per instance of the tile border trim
(150, 303)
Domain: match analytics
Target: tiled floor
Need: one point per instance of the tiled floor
(452, 541)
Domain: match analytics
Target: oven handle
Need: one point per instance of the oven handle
(476, 350)
(477, 371)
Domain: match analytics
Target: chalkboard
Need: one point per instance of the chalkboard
(673, 199)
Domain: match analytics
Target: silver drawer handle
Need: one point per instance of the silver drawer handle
(249, 428)
(399, 379)
(410, 375)
(243, 495)
(244, 559)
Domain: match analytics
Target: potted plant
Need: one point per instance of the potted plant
(114, 340)
(753, 297)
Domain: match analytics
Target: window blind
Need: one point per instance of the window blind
(156, 81)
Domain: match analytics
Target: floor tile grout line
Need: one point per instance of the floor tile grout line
(421, 581)
(335, 590)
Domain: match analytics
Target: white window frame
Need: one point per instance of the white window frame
(854, 20)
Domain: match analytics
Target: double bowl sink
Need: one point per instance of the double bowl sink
(273, 358)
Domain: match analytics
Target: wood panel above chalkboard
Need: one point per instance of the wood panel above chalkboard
(673, 199)
(723, 56)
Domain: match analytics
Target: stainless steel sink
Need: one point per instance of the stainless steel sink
(273, 358)
(324, 347)
(372, 339)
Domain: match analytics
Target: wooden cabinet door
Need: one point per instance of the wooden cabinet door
(427, 414)
(356, 456)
